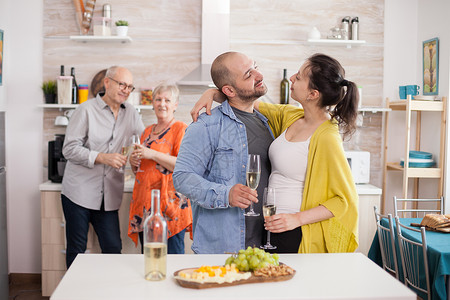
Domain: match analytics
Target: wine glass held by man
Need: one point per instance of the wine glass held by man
(253, 175)
(125, 151)
(156, 158)
(318, 210)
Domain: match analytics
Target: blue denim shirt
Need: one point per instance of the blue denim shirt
(212, 159)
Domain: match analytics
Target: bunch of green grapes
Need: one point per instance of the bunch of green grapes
(252, 259)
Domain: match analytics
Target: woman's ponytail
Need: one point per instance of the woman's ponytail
(346, 110)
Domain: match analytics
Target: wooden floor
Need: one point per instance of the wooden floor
(25, 287)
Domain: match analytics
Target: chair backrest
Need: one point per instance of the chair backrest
(417, 208)
(387, 243)
(414, 259)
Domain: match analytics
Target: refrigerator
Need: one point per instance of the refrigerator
(4, 283)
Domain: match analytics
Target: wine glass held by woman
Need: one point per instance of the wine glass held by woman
(135, 141)
(269, 209)
(156, 158)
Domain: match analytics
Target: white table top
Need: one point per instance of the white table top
(319, 276)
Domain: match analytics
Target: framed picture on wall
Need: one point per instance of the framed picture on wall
(431, 67)
(1, 56)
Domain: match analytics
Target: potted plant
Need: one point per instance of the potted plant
(122, 28)
(49, 89)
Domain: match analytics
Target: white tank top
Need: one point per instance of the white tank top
(289, 161)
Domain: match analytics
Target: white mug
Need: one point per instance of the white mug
(61, 121)
(68, 113)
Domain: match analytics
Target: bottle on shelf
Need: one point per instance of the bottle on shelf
(61, 72)
(74, 87)
(155, 242)
(284, 89)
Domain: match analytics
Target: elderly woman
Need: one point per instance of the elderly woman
(153, 163)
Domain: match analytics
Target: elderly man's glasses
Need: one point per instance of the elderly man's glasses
(123, 86)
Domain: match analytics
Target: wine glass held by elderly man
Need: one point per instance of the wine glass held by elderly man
(155, 159)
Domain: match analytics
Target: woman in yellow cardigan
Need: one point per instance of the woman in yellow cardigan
(319, 203)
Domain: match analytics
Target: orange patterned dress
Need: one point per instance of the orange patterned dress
(174, 207)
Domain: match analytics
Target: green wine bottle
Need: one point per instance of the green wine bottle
(284, 89)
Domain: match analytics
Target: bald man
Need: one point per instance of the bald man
(93, 181)
(211, 164)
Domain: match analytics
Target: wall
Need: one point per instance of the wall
(23, 76)
(161, 52)
(281, 43)
(410, 23)
(400, 49)
(166, 47)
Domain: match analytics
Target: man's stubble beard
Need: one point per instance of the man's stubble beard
(250, 96)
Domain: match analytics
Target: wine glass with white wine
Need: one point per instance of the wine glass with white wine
(126, 149)
(253, 175)
(269, 209)
(135, 140)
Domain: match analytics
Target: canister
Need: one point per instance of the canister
(102, 26)
(64, 89)
(107, 11)
(355, 28)
(83, 92)
(345, 28)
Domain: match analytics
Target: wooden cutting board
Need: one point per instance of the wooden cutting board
(206, 285)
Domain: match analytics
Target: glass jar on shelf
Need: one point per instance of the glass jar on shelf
(102, 26)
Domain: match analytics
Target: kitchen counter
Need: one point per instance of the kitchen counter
(318, 276)
(361, 189)
(52, 186)
(367, 189)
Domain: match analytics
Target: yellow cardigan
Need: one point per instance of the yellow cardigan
(329, 182)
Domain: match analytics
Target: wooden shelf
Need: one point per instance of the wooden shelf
(58, 105)
(416, 172)
(373, 109)
(331, 42)
(98, 38)
(409, 106)
(417, 105)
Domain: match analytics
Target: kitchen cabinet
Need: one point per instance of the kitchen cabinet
(409, 106)
(53, 241)
(369, 196)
